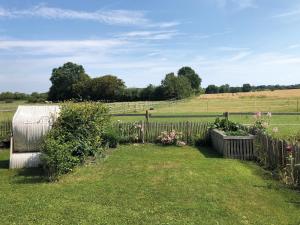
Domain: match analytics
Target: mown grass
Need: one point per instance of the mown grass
(148, 184)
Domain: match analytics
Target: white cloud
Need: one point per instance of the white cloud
(112, 17)
(123, 17)
(166, 24)
(235, 69)
(294, 46)
(151, 35)
(216, 34)
(261, 68)
(4, 13)
(239, 56)
(231, 49)
(240, 4)
(57, 47)
(288, 14)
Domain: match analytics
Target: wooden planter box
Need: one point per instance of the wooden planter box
(235, 147)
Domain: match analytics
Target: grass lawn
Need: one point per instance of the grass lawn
(148, 184)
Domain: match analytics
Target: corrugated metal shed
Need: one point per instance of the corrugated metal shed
(29, 125)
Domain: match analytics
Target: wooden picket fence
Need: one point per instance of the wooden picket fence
(148, 132)
(5, 130)
(274, 152)
(281, 155)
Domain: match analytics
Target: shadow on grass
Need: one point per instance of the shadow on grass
(209, 152)
(30, 176)
(4, 164)
(272, 182)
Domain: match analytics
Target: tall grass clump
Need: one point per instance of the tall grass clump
(75, 136)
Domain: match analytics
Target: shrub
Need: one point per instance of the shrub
(130, 133)
(171, 138)
(76, 135)
(229, 127)
(261, 122)
(111, 137)
(197, 140)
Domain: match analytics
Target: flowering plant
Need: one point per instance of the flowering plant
(291, 172)
(171, 138)
(261, 122)
(130, 133)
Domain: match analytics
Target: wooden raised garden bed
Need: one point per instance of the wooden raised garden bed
(235, 147)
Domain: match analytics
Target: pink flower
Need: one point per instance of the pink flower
(289, 149)
(257, 115)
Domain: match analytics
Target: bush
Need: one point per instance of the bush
(261, 122)
(130, 133)
(171, 138)
(229, 127)
(198, 141)
(76, 135)
(111, 137)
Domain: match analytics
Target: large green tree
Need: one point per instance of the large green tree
(64, 79)
(192, 76)
(177, 87)
(108, 87)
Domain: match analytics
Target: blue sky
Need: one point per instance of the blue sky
(225, 41)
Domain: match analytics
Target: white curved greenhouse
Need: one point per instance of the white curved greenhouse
(29, 125)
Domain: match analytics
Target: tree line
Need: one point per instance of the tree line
(34, 97)
(214, 89)
(70, 81)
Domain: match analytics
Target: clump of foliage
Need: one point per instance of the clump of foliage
(198, 140)
(171, 138)
(229, 127)
(76, 135)
(111, 137)
(261, 122)
(290, 174)
(130, 133)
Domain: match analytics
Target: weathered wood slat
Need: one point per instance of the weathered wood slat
(152, 130)
(235, 147)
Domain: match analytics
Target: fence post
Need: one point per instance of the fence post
(226, 115)
(147, 116)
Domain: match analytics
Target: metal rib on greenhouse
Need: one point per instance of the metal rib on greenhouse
(29, 125)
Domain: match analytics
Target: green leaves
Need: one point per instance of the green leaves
(76, 135)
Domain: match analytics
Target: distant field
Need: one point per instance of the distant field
(273, 101)
(293, 93)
